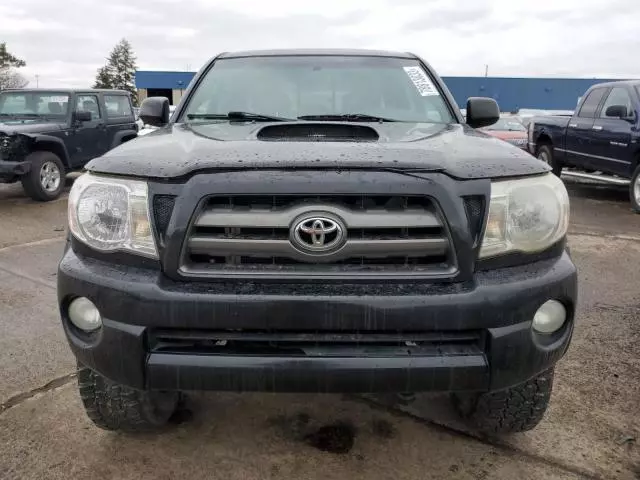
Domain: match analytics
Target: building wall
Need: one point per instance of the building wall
(510, 93)
(177, 95)
(514, 93)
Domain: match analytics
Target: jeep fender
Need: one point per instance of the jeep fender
(123, 136)
(50, 144)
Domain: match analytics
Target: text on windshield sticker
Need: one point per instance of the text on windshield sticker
(421, 81)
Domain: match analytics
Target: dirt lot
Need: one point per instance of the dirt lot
(591, 431)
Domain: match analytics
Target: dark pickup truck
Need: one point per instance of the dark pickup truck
(317, 221)
(45, 134)
(602, 136)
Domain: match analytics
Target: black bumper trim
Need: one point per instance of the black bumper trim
(11, 169)
(317, 374)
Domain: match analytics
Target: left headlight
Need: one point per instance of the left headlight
(111, 214)
(526, 215)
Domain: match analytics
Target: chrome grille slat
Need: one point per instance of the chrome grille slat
(252, 235)
(282, 218)
(283, 248)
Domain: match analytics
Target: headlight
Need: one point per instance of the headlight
(111, 214)
(527, 215)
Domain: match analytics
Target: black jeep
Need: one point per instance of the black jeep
(45, 134)
(317, 221)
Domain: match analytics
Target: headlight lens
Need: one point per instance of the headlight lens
(526, 215)
(111, 214)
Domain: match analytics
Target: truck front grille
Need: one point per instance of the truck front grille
(373, 235)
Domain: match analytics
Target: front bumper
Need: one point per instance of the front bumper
(9, 170)
(497, 306)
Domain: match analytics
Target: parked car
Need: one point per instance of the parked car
(602, 136)
(510, 130)
(45, 134)
(349, 233)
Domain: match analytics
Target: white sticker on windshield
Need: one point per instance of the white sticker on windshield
(421, 81)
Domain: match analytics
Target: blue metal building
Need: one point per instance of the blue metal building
(510, 93)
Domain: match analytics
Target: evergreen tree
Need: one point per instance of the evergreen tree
(7, 60)
(9, 76)
(104, 79)
(120, 70)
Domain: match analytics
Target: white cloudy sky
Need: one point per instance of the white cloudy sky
(65, 41)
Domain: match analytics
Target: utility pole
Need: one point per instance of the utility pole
(37, 81)
(486, 71)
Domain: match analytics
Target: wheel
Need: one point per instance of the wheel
(46, 179)
(545, 153)
(112, 406)
(515, 409)
(634, 190)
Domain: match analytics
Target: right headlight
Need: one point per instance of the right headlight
(111, 214)
(526, 215)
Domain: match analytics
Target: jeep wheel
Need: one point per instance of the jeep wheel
(515, 409)
(112, 406)
(634, 190)
(545, 153)
(46, 179)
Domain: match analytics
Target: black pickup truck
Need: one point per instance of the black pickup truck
(602, 136)
(45, 134)
(317, 221)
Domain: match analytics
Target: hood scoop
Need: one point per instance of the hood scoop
(317, 132)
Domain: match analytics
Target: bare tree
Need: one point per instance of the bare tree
(10, 78)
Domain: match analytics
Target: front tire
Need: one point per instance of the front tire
(545, 153)
(634, 190)
(516, 409)
(46, 179)
(112, 406)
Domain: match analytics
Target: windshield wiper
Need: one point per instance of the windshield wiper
(237, 116)
(347, 117)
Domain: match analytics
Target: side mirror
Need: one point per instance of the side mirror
(617, 111)
(482, 112)
(154, 111)
(82, 116)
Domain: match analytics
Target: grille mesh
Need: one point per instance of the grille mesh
(474, 207)
(162, 209)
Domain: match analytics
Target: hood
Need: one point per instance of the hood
(179, 150)
(35, 125)
(506, 134)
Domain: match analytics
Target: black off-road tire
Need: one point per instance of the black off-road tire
(634, 190)
(32, 183)
(516, 409)
(112, 406)
(545, 153)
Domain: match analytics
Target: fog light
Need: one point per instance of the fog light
(84, 314)
(550, 317)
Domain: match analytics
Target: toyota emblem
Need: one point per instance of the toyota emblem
(317, 234)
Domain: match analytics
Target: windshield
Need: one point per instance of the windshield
(31, 104)
(300, 86)
(510, 124)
